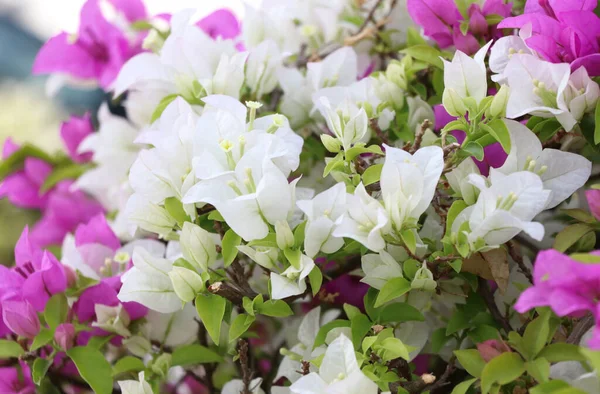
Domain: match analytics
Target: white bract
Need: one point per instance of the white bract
(466, 76)
(458, 179)
(139, 386)
(380, 268)
(561, 172)
(322, 212)
(292, 281)
(339, 373)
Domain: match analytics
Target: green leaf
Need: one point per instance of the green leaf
(71, 171)
(456, 208)
(47, 387)
(597, 123)
(555, 387)
(394, 348)
(455, 125)
(56, 310)
(333, 163)
(360, 326)
(539, 369)
(557, 352)
(462, 387)
(483, 333)
(502, 369)
(414, 38)
(456, 265)
(41, 339)
(275, 308)
(299, 234)
(570, 235)
(593, 357)
(39, 369)
(322, 334)
(472, 148)
(351, 311)
(99, 342)
(93, 368)
(471, 361)
(536, 335)
(458, 321)
(239, 326)
(409, 239)
(129, 364)
(497, 128)
(372, 174)
(164, 103)
(546, 129)
(315, 277)
(399, 312)
(393, 289)
(580, 215)
(216, 216)
(293, 256)
(10, 349)
(189, 355)
(211, 309)
(229, 247)
(425, 53)
(15, 161)
(439, 339)
(175, 208)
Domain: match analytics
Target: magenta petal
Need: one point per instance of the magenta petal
(221, 23)
(593, 199)
(532, 297)
(134, 10)
(97, 231)
(12, 382)
(60, 56)
(73, 133)
(564, 302)
(98, 294)
(553, 268)
(55, 278)
(135, 310)
(21, 318)
(9, 148)
(467, 44)
(22, 191)
(37, 170)
(25, 252)
(571, 5)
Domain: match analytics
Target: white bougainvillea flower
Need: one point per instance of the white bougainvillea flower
(561, 172)
(501, 53)
(148, 283)
(261, 69)
(339, 373)
(292, 281)
(322, 212)
(466, 75)
(458, 179)
(139, 386)
(256, 194)
(505, 208)
(236, 386)
(365, 220)
(380, 268)
(408, 182)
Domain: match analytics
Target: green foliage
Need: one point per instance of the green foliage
(536, 335)
(425, 53)
(39, 369)
(240, 325)
(211, 309)
(471, 361)
(570, 235)
(93, 368)
(189, 355)
(393, 289)
(10, 349)
(129, 364)
(56, 310)
(315, 277)
(502, 370)
(175, 208)
(164, 103)
(15, 161)
(229, 247)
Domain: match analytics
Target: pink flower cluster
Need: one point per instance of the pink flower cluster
(441, 21)
(562, 31)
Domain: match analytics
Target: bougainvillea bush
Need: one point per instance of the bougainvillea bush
(341, 196)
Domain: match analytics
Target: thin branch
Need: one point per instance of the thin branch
(227, 291)
(245, 364)
(488, 297)
(419, 135)
(580, 329)
(378, 132)
(515, 254)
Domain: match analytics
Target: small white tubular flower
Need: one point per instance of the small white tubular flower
(408, 182)
(388, 91)
(257, 193)
(148, 283)
(349, 130)
(236, 386)
(458, 179)
(291, 282)
(537, 88)
(198, 246)
(339, 373)
(501, 53)
(561, 172)
(262, 66)
(139, 386)
(467, 76)
(322, 212)
(365, 220)
(380, 268)
(505, 208)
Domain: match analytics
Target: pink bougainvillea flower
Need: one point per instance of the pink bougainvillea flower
(21, 318)
(98, 50)
(593, 199)
(73, 132)
(22, 188)
(567, 286)
(441, 21)
(13, 381)
(562, 32)
(220, 24)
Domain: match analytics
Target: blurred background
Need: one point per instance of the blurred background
(26, 113)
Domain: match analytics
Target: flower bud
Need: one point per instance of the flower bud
(453, 103)
(424, 279)
(162, 365)
(187, 283)
(284, 235)
(265, 257)
(197, 246)
(65, 336)
(137, 345)
(491, 348)
(112, 319)
(21, 318)
(332, 144)
(396, 73)
(498, 106)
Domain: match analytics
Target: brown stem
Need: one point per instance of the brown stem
(515, 254)
(488, 297)
(419, 136)
(227, 291)
(245, 364)
(377, 130)
(582, 326)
